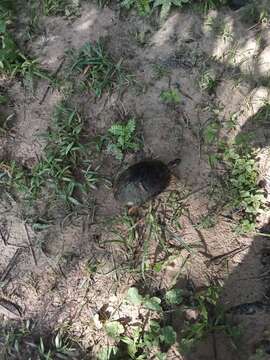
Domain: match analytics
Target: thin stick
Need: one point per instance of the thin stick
(262, 234)
(214, 345)
(3, 237)
(229, 253)
(30, 244)
(49, 86)
(10, 265)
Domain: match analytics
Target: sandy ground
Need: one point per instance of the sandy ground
(58, 291)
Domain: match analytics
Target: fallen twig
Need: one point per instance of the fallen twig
(3, 237)
(10, 265)
(49, 86)
(30, 244)
(228, 254)
(10, 309)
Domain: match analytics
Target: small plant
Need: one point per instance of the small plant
(242, 185)
(121, 139)
(208, 82)
(254, 13)
(210, 4)
(207, 222)
(14, 177)
(65, 161)
(160, 71)
(60, 7)
(211, 319)
(65, 154)
(211, 132)
(143, 6)
(11, 340)
(151, 340)
(260, 354)
(60, 348)
(166, 6)
(96, 69)
(171, 96)
(19, 343)
(12, 60)
(219, 27)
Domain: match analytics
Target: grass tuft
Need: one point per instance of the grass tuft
(96, 70)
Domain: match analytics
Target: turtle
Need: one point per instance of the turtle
(142, 181)
(237, 4)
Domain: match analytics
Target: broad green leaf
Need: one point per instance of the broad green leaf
(114, 329)
(174, 297)
(168, 335)
(152, 304)
(134, 297)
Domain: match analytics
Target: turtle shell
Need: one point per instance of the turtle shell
(142, 181)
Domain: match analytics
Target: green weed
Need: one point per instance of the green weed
(207, 222)
(219, 28)
(208, 82)
(96, 70)
(166, 6)
(211, 132)
(260, 354)
(14, 178)
(211, 319)
(242, 186)
(254, 13)
(12, 60)
(11, 340)
(143, 6)
(59, 348)
(18, 343)
(122, 139)
(160, 71)
(171, 96)
(146, 7)
(60, 7)
(151, 340)
(65, 159)
(64, 171)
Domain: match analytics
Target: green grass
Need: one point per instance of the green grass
(159, 71)
(254, 13)
(12, 60)
(146, 7)
(219, 28)
(143, 237)
(96, 69)
(208, 82)
(64, 173)
(60, 7)
(142, 6)
(66, 159)
(207, 222)
(20, 342)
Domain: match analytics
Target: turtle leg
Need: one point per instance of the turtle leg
(133, 211)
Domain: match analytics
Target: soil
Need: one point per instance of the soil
(55, 290)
